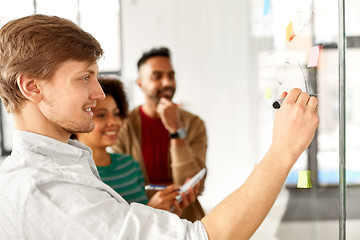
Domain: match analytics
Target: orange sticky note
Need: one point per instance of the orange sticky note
(314, 56)
(289, 32)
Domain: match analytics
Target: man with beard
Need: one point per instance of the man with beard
(168, 142)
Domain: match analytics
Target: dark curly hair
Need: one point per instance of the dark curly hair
(155, 52)
(114, 87)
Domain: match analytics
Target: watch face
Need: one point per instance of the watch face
(181, 133)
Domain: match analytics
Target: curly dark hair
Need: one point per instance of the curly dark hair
(155, 52)
(114, 87)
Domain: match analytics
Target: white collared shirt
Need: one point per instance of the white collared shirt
(52, 190)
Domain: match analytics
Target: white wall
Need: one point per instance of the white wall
(211, 49)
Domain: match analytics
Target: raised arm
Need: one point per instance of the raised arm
(241, 213)
(188, 155)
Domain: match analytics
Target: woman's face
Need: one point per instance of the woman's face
(107, 122)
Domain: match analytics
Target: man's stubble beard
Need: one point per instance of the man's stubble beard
(66, 125)
(156, 98)
(72, 127)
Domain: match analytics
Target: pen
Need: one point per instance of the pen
(277, 103)
(155, 187)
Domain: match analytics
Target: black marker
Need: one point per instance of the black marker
(277, 103)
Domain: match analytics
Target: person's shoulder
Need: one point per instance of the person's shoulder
(135, 112)
(122, 158)
(133, 118)
(19, 162)
(187, 113)
(21, 180)
(188, 116)
(124, 161)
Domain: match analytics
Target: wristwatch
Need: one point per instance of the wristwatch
(180, 133)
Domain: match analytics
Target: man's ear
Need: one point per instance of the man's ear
(29, 88)
(138, 81)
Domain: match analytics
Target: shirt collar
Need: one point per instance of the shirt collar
(49, 147)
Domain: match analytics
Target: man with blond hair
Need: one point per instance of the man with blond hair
(49, 186)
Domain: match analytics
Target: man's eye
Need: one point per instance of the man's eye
(172, 76)
(156, 76)
(85, 78)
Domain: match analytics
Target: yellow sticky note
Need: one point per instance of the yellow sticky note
(290, 32)
(304, 179)
(268, 93)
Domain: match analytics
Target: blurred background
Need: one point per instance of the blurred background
(232, 60)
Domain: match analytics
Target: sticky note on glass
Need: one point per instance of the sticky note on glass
(268, 93)
(314, 57)
(290, 32)
(304, 179)
(266, 7)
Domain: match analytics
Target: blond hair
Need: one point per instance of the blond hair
(35, 46)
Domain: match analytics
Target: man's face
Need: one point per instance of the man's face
(157, 79)
(70, 95)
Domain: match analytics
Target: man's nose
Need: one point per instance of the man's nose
(97, 92)
(167, 81)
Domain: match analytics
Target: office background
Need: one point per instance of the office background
(232, 60)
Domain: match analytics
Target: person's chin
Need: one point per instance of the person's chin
(169, 97)
(156, 100)
(84, 128)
